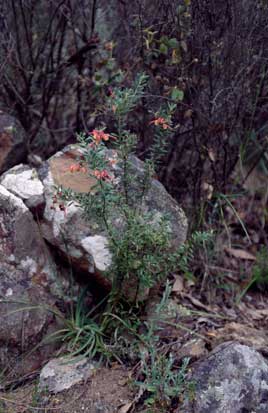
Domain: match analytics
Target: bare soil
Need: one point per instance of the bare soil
(108, 391)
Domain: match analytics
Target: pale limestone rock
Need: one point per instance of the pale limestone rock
(97, 246)
(23, 182)
(61, 374)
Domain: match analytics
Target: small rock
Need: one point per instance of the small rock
(233, 379)
(23, 182)
(61, 374)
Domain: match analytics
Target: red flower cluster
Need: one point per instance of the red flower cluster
(76, 167)
(161, 122)
(102, 175)
(99, 135)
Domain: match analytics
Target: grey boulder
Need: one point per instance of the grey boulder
(233, 379)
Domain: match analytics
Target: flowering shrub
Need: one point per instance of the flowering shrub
(141, 251)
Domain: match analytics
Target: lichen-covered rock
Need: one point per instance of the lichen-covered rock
(27, 279)
(23, 181)
(61, 374)
(13, 148)
(84, 242)
(233, 379)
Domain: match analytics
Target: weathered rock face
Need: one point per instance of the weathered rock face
(12, 142)
(84, 242)
(27, 278)
(233, 379)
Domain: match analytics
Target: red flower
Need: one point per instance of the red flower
(76, 167)
(103, 175)
(99, 135)
(160, 122)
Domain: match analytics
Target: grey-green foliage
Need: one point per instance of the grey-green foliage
(161, 380)
(141, 249)
(124, 100)
(162, 136)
